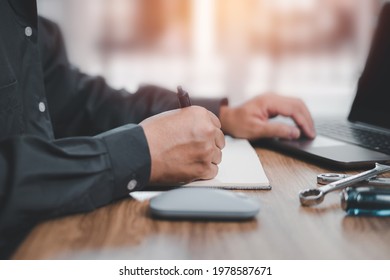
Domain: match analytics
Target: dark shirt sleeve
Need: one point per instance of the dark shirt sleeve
(41, 180)
(83, 105)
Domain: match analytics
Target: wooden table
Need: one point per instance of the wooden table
(282, 230)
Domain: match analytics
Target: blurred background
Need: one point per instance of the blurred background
(312, 49)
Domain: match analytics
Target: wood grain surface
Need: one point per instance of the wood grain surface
(282, 230)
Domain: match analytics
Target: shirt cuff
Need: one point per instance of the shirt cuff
(211, 104)
(130, 158)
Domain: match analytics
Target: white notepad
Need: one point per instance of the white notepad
(240, 168)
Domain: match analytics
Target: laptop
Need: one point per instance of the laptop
(364, 138)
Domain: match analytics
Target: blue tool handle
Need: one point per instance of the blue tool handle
(366, 201)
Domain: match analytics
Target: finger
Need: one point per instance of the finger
(214, 120)
(217, 156)
(219, 139)
(304, 120)
(210, 172)
(295, 109)
(304, 124)
(278, 130)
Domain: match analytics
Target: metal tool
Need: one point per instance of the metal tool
(326, 178)
(366, 200)
(314, 196)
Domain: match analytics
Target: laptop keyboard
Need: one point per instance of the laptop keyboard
(371, 139)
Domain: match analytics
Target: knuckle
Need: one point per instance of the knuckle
(208, 130)
(199, 110)
(210, 171)
(208, 151)
(298, 118)
(203, 169)
(204, 153)
(294, 115)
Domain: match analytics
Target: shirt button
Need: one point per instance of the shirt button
(132, 184)
(28, 31)
(42, 107)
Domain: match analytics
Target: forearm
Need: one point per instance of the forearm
(41, 180)
(96, 107)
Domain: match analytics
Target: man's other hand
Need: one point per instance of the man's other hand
(185, 145)
(251, 120)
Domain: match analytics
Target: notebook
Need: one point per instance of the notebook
(240, 169)
(364, 138)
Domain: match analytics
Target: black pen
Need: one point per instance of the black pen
(184, 98)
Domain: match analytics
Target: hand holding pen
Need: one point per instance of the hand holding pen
(185, 144)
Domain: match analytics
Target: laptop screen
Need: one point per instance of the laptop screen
(372, 101)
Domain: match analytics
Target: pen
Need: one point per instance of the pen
(184, 98)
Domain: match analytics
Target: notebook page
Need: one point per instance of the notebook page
(240, 168)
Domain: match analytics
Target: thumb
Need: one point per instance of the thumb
(279, 130)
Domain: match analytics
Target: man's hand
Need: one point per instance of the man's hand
(185, 145)
(251, 120)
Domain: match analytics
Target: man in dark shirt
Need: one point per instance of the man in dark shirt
(69, 143)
